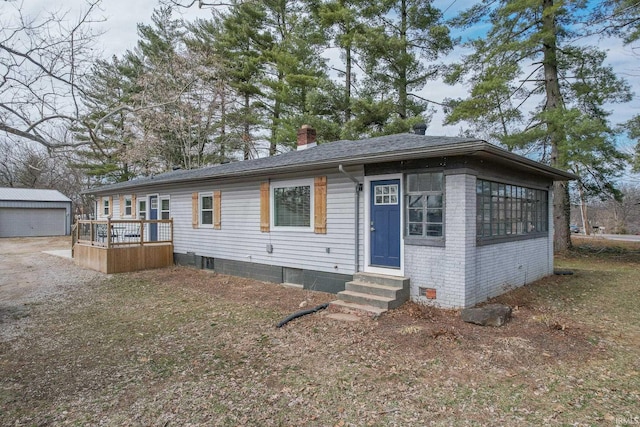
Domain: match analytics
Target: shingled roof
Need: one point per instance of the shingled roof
(365, 151)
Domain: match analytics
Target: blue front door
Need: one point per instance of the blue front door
(385, 223)
(153, 214)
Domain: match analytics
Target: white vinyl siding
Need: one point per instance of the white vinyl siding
(240, 239)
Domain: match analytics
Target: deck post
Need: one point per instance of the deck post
(108, 232)
(141, 232)
(92, 236)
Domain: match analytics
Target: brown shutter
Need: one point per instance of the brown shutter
(217, 210)
(121, 206)
(194, 210)
(133, 205)
(110, 205)
(320, 205)
(264, 207)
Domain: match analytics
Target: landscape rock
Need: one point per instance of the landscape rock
(488, 315)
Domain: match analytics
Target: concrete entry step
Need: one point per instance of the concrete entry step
(376, 290)
(392, 292)
(382, 279)
(362, 309)
(366, 299)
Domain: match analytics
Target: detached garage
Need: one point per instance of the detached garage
(27, 212)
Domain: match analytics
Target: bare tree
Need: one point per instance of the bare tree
(43, 60)
(619, 215)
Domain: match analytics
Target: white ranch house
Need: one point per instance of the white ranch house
(448, 221)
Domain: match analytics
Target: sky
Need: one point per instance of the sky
(122, 17)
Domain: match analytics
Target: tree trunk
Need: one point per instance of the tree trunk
(561, 207)
(246, 138)
(583, 212)
(402, 72)
(347, 84)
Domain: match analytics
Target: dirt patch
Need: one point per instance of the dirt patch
(30, 277)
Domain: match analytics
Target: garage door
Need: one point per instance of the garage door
(16, 222)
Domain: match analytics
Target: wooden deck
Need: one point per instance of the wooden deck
(119, 246)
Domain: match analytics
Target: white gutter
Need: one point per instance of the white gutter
(358, 189)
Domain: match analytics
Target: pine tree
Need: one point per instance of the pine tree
(232, 44)
(108, 87)
(401, 41)
(529, 59)
(341, 20)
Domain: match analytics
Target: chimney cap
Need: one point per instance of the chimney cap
(420, 128)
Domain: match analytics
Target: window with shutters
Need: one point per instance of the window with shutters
(292, 205)
(206, 210)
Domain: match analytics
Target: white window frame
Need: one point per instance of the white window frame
(425, 194)
(201, 224)
(145, 210)
(106, 207)
(130, 200)
(305, 182)
(160, 210)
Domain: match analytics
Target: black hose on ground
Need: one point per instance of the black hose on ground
(301, 313)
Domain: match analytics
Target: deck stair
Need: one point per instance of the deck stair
(373, 293)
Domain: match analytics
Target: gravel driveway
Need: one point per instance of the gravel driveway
(28, 277)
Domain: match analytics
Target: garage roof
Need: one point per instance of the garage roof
(32, 195)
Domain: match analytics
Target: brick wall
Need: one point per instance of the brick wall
(502, 267)
(464, 274)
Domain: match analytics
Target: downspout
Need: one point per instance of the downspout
(358, 189)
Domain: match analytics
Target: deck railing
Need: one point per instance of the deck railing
(110, 233)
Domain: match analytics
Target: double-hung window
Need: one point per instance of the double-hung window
(206, 209)
(165, 212)
(292, 204)
(106, 209)
(142, 208)
(127, 205)
(424, 205)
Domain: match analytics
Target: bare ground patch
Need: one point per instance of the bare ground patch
(187, 347)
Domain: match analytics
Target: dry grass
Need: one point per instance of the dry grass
(186, 347)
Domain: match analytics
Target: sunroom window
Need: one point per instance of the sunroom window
(510, 210)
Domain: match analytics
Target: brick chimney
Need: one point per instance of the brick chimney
(306, 137)
(420, 128)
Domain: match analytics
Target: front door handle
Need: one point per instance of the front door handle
(373, 229)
